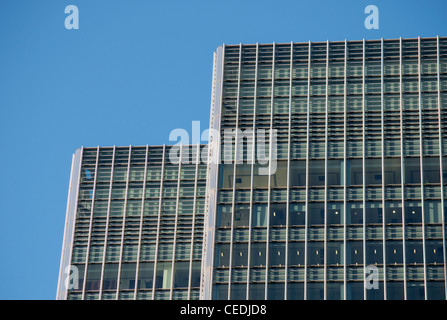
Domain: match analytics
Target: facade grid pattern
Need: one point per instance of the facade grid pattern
(354, 132)
(137, 223)
(325, 160)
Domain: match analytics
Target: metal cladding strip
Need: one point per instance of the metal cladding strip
(179, 170)
(288, 174)
(306, 219)
(235, 159)
(191, 256)
(107, 221)
(70, 223)
(325, 175)
(345, 84)
(422, 166)
(253, 158)
(214, 158)
(91, 222)
(402, 172)
(441, 151)
(124, 223)
(364, 146)
(137, 269)
(270, 173)
(157, 241)
(382, 146)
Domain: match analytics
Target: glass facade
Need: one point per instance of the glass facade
(354, 137)
(137, 224)
(326, 163)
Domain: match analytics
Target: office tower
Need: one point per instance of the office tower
(134, 226)
(326, 178)
(329, 171)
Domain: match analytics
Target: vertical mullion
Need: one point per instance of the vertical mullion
(326, 176)
(157, 241)
(307, 172)
(422, 166)
(288, 174)
(382, 123)
(124, 223)
(107, 221)
(214, 154)
(137, 269)
(196, 177)
(235, 155)
(251, 174)
(441, 162)
(91, 222)
(402, 172)
(364, 140)
(345, 167)
(270, 173)
(176, 221)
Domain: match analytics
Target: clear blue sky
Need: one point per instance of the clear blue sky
(131, 73)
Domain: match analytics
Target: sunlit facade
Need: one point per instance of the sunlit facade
(357, 170)
(134, 227)
(325, 160)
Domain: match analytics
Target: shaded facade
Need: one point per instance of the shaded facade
(354, 134)
(134, 225)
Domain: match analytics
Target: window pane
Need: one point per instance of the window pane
(296, 253)
(431, 170)
(110, 276)
(392, 171)
(278, 214)
(412, 170)
(279, 177)
(316, 213)
(335, 253)
(298, 173)
(335, 214)
(354, 213)
(258, 257)
(241, 215)
(373, 212)
(243, 176)
(259, 218)
(414, 252)
(277, 254)
(181, 274)
(145, 275)
(223, 216)
(373, 174)
(226, 175)
(222, 255)
(128, 276)
(354, 168)
(316, 173)
(163, 277)
(374, 252)
(297, 214)
(335, 172)
(394, 252)
(240, 254)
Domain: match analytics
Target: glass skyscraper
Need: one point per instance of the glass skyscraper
(354, 137)
(134, 227)
(325, 178)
